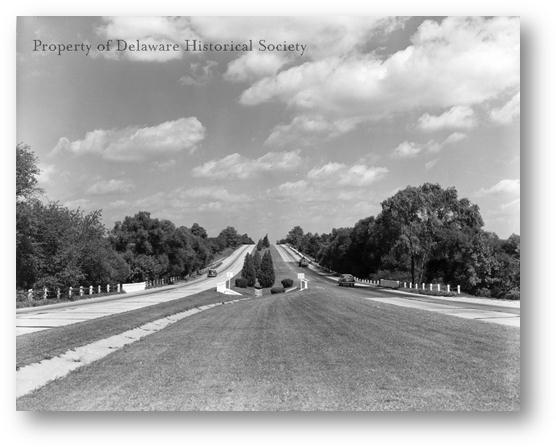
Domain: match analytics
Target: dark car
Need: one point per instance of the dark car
(212, 273)
(303, 262)
(346, 280)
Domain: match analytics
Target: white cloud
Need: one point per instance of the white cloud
(110, 187)
(508, 112)
(150, 30)
(448, 64)
(212, 192)
(78, 203)
(199, 74)
(342, 175)
(253, 66)
(410, 149)
(407, 149)
(308, 130)
(506, 186)
(431, 164)
(458, 117)
(241, 167)
(47, 172)
(512, 205)
(138, 143)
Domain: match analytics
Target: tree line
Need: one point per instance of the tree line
(258, 267)
(422, 234)
(60, 247)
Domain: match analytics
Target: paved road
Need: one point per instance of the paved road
(328, 348)
(40, 319)
(487, 310)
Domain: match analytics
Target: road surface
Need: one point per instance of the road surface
(327, 348)
(36, 319)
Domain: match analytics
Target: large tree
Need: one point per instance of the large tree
(266, 273)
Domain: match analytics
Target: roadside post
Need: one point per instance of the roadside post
(229, 276)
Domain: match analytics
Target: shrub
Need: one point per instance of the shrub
(241, 282)
(277, 289)
(512, 295)
(287, 283)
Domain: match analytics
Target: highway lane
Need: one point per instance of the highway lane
(327, 348)
(40, 319)
(489, 311)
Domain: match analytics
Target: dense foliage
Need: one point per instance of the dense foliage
(422, 234)
(266, 275)
(248, 272)
(60, 247)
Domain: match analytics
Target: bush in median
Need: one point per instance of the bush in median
(287, 283)
(277, 289)
(241, 282)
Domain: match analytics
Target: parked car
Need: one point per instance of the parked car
(212, 273)
(346, 280)
(303, 262)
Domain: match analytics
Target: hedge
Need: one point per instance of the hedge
(241, 282)
(287, 283)
(277, 289)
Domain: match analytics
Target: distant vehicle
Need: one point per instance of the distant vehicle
(346, 280)
(303, 262)
(212, 273)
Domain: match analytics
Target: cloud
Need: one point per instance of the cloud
(149, 30)
(253, 66)
(137, 143)
(447, 64)
(199, 74)
(431, 164)
(458, 117)
(339, 174)
(241, 167)
(111, 186)
(505, 186)
(212, 192)
(410, 149)
(308, 130)
(47, 172)
(508, 112)
(78, 203)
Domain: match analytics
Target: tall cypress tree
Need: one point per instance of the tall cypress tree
(248, 271)
(257, 262)
(266, 243)
(266, 274)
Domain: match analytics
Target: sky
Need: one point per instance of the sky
(265, 140)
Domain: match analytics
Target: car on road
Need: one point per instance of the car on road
(212, 273)
(303, 262)
(346, 280)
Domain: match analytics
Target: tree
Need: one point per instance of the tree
(197, 230)
(248, 271)
(266, 242)
(257, 262)
(266, 274)
(295, 236)
(260, 245)
(26, 173)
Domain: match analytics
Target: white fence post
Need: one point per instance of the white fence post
(58, 293)
(423, 286)
(430, 286)
(45, 293)
(80, 290)
(70, 292)
(448, 288)
(459, 290)
(438, 287)
(30, 294)
(90, 290)
(118, 288)
(99, 289)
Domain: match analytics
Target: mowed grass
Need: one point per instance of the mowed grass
(322, 349)
(36, 346)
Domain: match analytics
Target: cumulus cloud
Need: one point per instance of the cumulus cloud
(137, 143)
(448, 64)
(150, 30)
(253, 66)
(199, 74)
(343, 175)
(46, 174)
(307, 130)
(110, 187)
(212, 192)
(410, 149)
(458, 117)
(505, 186)
(508, 112)
(241, 167)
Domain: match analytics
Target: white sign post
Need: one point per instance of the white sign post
(302, 281)
(229, 276)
